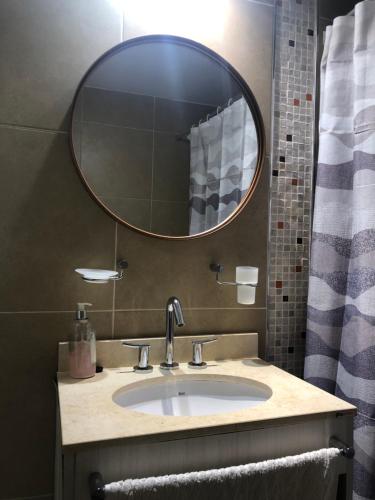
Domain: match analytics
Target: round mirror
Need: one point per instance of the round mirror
(167, 137)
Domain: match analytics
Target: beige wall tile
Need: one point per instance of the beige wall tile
(177, 117)
(134, 211)
(112, 353)
(48, 46)
(160, 268)
(249, 48)
(28, 356)
(117, 161)
(244, 39)
(170, 218)
(132, 324)
(118, 108)
(50, 226)
(171, 168)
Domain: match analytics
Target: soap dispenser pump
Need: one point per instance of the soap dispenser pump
(82, 345)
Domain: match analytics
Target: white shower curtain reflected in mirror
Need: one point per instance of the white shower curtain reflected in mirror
(223, 159)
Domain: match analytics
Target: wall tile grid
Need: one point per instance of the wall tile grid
(143, 134)
(291, 181)
(50, 225)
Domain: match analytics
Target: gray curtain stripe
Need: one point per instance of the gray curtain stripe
(214, 201)
(361, 242)
(315, 345)
(348, 283)
(342, 176)
(365, 409)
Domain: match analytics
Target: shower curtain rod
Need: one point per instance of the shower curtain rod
(219, 109)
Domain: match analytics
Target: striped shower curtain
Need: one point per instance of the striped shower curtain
(340, 348)
(223, 158)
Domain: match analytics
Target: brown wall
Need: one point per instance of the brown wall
(50, 225)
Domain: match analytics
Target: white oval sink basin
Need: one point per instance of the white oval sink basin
(192, 395)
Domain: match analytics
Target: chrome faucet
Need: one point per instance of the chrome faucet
(173, 314)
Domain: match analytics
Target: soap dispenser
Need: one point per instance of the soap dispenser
(82, 346)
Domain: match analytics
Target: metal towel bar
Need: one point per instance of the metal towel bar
(97, 485)
(345, 451)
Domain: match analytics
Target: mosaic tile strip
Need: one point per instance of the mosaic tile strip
(291, 181)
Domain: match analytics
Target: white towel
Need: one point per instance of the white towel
(309, 476)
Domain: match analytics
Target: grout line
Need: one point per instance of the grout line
(152, 161)
(271, 157)
(54, 312)
(198, 309)
(146, 199)
(138, 310)
(139, 94)
(122, 127)
(32, 129)
(114, 285)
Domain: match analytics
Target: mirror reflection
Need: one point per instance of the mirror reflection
(164, 137)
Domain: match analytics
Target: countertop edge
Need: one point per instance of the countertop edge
(207, 431)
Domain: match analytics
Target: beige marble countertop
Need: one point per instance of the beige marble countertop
(89, 415)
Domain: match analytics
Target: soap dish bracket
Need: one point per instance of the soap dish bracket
(121, 266)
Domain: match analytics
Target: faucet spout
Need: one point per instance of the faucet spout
(173, 315)
(177, 309)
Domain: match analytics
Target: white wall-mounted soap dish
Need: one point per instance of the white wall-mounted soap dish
(103, 275)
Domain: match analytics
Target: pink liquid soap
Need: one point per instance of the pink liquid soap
(82, 363)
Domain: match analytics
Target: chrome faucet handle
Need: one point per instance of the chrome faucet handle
(197, 361)
(143, 355)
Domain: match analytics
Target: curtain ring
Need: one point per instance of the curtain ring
(218, 110)
(230, 100)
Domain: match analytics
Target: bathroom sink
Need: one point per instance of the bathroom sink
(192, 395)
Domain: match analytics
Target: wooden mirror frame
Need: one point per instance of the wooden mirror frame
(247, 94)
